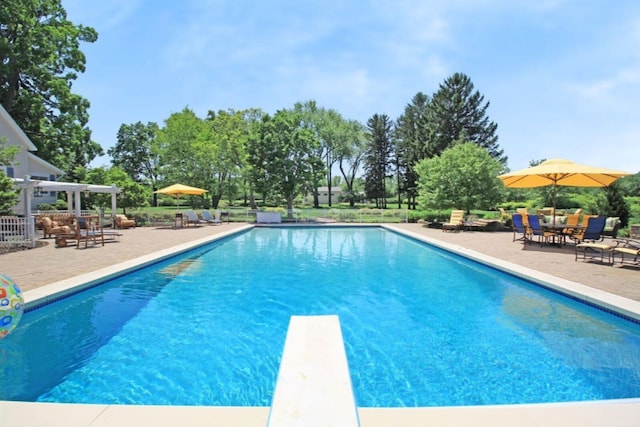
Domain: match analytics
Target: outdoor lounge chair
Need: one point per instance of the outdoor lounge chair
(192, 218)
(206, 216)
(632, 249)
(456, 221)
(594, 247)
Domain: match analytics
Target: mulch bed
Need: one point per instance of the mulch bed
(6, 249)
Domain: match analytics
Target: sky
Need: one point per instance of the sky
(562, 77)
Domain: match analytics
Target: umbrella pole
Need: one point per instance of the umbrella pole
(555, 190)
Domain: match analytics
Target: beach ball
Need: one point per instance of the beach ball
(11, 305)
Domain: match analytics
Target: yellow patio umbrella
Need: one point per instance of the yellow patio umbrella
(561, 172)
(178, 190)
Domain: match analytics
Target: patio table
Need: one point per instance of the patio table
(558, 230)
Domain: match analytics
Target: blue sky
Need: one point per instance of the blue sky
(562, 76)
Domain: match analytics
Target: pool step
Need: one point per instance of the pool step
(314, 386)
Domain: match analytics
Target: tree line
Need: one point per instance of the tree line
(249, 154)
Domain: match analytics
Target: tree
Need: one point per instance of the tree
(284, 156)
(349, 159)
(40, 57)
(8, 195)
(464, 177)
(224, 143)
(136, 153)
(133, 193)
(457, 112)
(412, 136)
(614, 204)
(377, 158)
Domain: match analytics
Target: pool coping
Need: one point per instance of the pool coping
(623, 412)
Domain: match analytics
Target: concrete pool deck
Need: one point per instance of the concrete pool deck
(36, 270)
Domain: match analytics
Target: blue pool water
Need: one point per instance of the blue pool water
(422, 327)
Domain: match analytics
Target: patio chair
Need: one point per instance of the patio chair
(122, 221)
(456, 221)
(519, 228)
(52, 228)
(192, 218)
(206, 216)
(631, 248)
(592, 231)
(611, 227)
(537, 230)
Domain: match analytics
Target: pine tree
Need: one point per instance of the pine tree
(456, 110)
(377, 158)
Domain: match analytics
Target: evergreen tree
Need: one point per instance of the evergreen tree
(411, 139)
(457, 112)
(615, 205)
(377, 158)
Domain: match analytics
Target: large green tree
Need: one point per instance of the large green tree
(284, 156)
(40, 58)
(457, 111)
(412, 134)
(463, 177)
(350, 157)
(377, 158)
(136, 153)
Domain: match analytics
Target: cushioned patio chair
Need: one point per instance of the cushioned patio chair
(52, 228)
(629, 248)
(123, 222)
(611, 227)
(456, 221)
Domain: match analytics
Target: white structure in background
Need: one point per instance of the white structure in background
(26, 163)
(38, 178)
(323, 195)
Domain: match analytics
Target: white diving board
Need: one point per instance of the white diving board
(314, 385)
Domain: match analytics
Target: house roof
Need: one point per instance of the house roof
(33, 158)
(22, 137)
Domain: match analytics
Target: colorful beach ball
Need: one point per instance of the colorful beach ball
(11, 305)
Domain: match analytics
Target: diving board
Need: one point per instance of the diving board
(314, 385)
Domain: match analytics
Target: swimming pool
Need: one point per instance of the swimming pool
(411, 339)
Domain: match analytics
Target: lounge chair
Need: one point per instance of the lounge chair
(122, 221)
(519, 228)
(592, 231)
(206, 216)
(537, 230)
(192, 218)
(631, 248)
(594, 247)
(85, 229)
(456, 221)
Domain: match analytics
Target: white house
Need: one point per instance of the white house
(323, 195)
(26, 163)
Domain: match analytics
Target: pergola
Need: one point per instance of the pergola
(73, 190)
